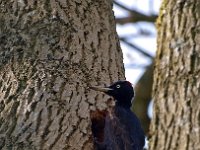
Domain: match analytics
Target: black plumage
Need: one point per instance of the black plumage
(120, 129)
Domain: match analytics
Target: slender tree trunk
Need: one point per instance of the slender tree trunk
(176, 120)
(50, 52)
(143, 91)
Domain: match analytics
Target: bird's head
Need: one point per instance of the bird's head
(121, 91)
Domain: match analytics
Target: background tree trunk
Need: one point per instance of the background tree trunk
(176, 93)
(143, 98)
(50, 52)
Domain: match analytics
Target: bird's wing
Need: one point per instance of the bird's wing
(125, 129)
(117, 136)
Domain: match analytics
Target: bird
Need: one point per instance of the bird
(119, 128)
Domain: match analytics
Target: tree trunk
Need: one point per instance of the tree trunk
(142, 98)
(176, 93)
(50, 52)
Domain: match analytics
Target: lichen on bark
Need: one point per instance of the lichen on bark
(175, 123)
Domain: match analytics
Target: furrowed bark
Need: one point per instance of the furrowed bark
(50, 53)
(175, 124)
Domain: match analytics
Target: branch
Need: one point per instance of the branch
(135, 16)
(137, 48)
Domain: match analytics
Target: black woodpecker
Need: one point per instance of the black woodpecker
(122, 129)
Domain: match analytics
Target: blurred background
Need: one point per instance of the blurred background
(136, 29)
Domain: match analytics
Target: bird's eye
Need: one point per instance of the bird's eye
(118, 86)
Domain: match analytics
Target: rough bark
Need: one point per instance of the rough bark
(176, 93)
(50, 52)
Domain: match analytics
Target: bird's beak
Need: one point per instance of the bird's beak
(101, 89)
